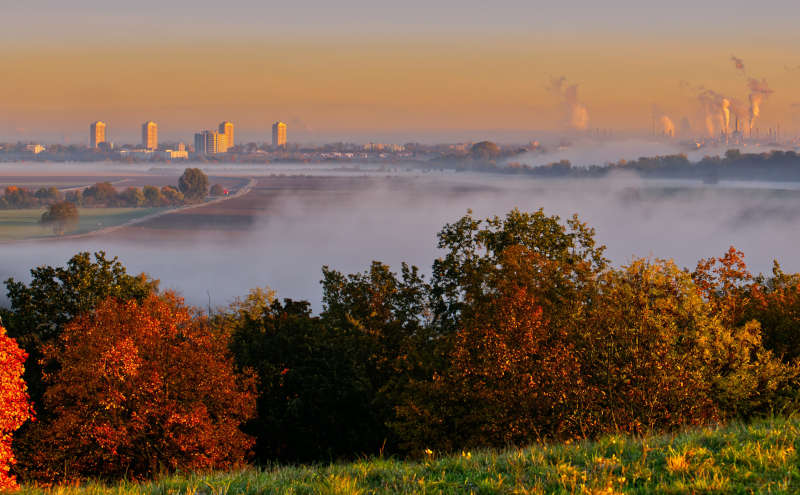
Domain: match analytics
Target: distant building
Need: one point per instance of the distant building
(97, 134)
(226, 128)
(34, 148)
(178, 154)
(210, 143)
(279, 135)
(150, 135)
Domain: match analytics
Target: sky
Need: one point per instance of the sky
(390, 71)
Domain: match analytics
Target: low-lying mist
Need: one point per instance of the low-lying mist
(395, 221)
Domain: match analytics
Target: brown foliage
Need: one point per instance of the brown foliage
(141, 387)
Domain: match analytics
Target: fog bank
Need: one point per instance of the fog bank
(292, 239)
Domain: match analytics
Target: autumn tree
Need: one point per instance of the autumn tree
(193, 184)
(775, 303)
(141, 387)
(15, 408)
(473, 249)
(512, 377)
(61, 216)
(40, 309)
(172, 196)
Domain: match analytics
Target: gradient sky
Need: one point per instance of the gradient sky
(384, 71)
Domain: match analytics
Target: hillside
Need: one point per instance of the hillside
(755, 458)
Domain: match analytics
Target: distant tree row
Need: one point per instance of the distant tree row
(192, 187)
(524, 333)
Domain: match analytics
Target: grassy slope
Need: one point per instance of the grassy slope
(756, 458)
(24, 224)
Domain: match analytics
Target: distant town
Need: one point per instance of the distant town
(220, 145)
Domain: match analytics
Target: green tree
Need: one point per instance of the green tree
(314, 397)
(217, 190)
(193, 184)
(102, 193)
(132, 196)
(61, 216)
(49, 194)
(153, 196)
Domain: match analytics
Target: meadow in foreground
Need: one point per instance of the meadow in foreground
(760, 457)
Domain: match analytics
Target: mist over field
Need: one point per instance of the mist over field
(394, 217)
(587, 152)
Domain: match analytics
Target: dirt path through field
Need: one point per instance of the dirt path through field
(241, 192)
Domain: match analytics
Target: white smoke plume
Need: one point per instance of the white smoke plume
(716, 109)
(576, 116)
(759, 91)
(667, 126)
(726, 115)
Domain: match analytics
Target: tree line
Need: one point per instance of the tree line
(524, 332)
(193, 185)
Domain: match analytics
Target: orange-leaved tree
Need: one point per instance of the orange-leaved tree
(141, 388)
(15, 408)
(513, 376)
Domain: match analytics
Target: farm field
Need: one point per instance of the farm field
(24, 224)
(740, 458)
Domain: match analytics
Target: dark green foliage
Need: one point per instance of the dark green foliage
(314, 400)
(217, 190)
(193, 184)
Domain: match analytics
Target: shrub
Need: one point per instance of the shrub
(172, 196)
(153, 196)
(141, 387)
(511, 380)
(61, 216)
(18, 197)
(102, 193)
(217, 190)
(16, 408)
(131, 196)
(49, 195)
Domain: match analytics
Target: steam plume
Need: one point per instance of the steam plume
(667, 126)
(726, 114)
(716, 109)
(576, 115)
(759, 91)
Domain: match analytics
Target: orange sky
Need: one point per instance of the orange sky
(323, 85)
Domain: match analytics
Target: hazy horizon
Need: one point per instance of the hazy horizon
(365, 71)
